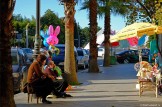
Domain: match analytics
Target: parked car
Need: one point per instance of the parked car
(131, 56)
(59, 59)
(83, 58)
(23, 54)
(19, 68)
(29, 54)
(87, 51)
(101, 52)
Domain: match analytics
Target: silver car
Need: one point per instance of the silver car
(83, 58)
(19, 69)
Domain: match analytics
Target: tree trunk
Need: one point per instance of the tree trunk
(70, 63)
(93, 65)
(106, 61)
(6, 79)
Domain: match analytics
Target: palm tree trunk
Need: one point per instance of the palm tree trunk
(70, 63)
(6, 79)
(93, 65)
(106, 61)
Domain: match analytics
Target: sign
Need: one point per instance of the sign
(18, 36)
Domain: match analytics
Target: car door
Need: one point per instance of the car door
(133, 57)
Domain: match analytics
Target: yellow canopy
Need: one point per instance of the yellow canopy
(113, 39)
(137, 29)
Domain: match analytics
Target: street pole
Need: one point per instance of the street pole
(27, 35)
(78, 36)
(15, 33)
(37, 35)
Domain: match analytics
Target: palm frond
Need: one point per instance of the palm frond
(117, 7)
(85, 5)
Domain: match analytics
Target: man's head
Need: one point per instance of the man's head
(41, 58)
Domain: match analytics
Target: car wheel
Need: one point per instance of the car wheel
(87, 65)
(126, 61)
(83, 67)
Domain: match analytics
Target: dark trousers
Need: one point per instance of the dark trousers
(42, 87)
(60, 86)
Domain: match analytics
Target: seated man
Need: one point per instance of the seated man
(60, 83)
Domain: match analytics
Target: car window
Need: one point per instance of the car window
(28, 50)
(14, 58)
(99, 49)
(87, 52)
(84, 52)
(62, 50)
(136, 53)
(145, 51)
(80, 53)
(132, 52)
(126, 53)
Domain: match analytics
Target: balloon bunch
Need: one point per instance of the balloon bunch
(50, 38)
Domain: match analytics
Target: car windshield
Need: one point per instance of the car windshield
(100, 49)
(80, 52)
(122, 52)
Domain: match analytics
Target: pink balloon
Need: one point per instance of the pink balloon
(56, 41)
(52, 40)
(57, 31)
(51, 30)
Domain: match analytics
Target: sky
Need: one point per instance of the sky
(27, 8)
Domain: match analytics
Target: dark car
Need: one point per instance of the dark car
(132, 56)
(19, 68)
(29, 54)
(59, 59)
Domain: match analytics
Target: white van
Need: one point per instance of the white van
(101, 52)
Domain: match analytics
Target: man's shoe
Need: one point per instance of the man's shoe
(46, 102)
(50, 96)
(67, 95)
(61, 96)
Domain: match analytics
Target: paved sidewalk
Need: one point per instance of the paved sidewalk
(113, 87)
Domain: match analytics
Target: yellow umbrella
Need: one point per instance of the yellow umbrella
(137, 30)
(113, 38)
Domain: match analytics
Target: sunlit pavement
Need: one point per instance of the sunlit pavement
(113, 86)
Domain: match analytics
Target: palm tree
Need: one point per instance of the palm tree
(93, 65)
(91, 6)
(70, 63)
(105, 8)
(6, 80)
